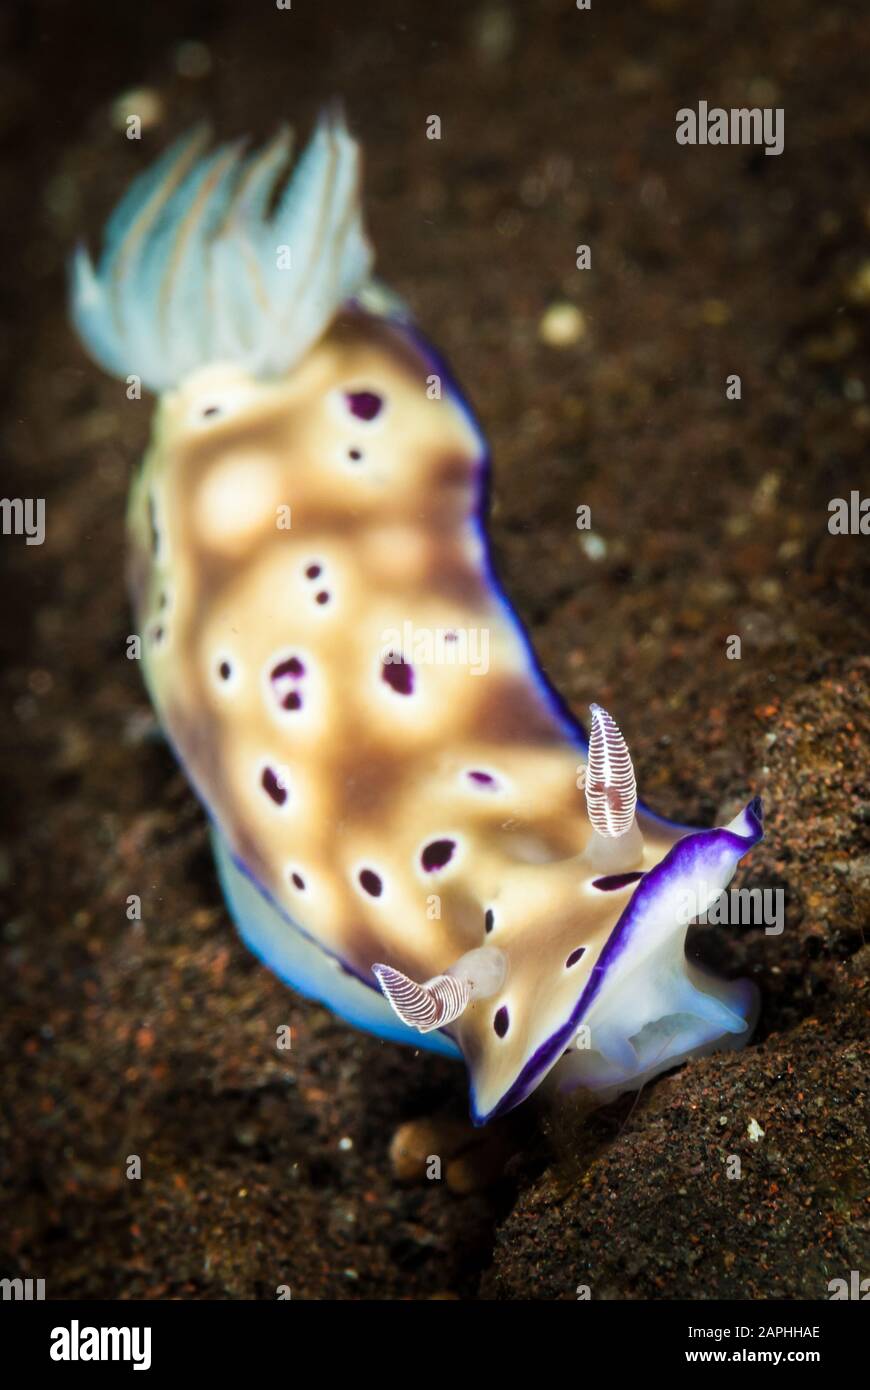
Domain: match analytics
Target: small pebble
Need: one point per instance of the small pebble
(594, 547)
(561, 325)
(143, 102)
(416, 1141)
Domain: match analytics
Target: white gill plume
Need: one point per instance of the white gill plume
(611, 790)
(202, 264)
(424, 1007)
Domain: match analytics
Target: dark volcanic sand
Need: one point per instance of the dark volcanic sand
(159, 1038)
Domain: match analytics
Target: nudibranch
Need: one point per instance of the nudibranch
(398, 822)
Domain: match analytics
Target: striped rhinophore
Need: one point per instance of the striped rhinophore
(424, 1007)
(611, 790)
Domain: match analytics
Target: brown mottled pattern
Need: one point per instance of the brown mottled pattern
(373, 775)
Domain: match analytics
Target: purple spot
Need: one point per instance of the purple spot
(283, 677)
(323, 597)
(611, 882)
(365, 405)
(574, 957)
(483, 779)
(298, 881)
(371, 882)
(273, 786)
(450, 636)
(437, 854)
(354, 455)
(489, 919)
(398, 673)
(312, 571)
(501, 1022)
(225, 670)
(291, 667)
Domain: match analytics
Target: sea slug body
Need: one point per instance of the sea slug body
(391, 781)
